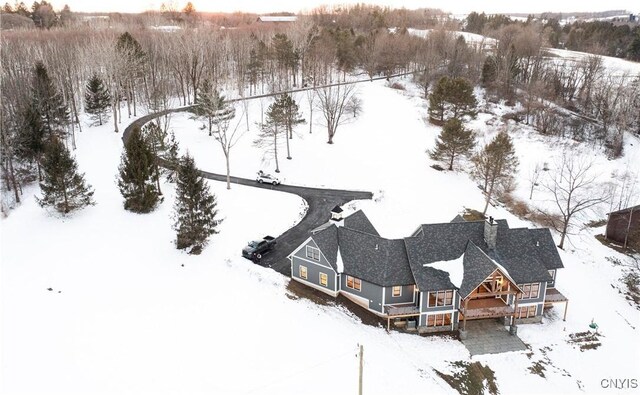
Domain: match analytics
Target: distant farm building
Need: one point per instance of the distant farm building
(276, 19)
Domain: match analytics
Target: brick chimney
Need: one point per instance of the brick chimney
(491, 233)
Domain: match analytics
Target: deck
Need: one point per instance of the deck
(554, 296)
(486, 308)
(403, 310)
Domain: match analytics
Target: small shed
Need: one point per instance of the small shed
(623, 226)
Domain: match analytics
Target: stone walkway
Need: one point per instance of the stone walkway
(490, 337)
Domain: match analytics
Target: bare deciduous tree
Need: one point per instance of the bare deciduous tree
(227, 139)
(333, 103)
(573, 187)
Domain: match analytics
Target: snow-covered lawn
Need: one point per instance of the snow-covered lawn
(124, 316)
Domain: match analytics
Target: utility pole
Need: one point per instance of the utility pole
(360, 372)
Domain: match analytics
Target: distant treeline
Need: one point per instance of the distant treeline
(621, 40)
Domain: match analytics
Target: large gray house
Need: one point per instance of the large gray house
(439, 277)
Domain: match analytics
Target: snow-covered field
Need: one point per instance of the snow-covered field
(617, 65)
(124, 315)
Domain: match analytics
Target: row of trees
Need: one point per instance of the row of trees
(41, 13)
(195, 215)
(621, 40)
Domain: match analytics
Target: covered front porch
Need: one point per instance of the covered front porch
(492, 298)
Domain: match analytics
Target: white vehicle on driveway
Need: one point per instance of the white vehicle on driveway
(267, 178)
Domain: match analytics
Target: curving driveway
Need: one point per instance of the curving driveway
(320, 202)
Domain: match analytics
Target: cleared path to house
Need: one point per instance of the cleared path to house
(490, 337)
(319, 201)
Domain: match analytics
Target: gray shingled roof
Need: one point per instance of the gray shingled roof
(458, 218)
(359, 221)
(526, 254)
(516, 249)
(327, 241)
(477, 267)
(546, 248)
(373, 258)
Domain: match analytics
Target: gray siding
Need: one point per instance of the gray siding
(552, 283)
(405, 297)
(302, 254)
(313, 273)
(368, 291)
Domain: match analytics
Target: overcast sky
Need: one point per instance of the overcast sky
(263, 6)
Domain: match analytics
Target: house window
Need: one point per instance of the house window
(440, 298)
(354, 283)
(323, 279)
(396, 291)
(439, 319)
(303, 271)
(530, 291)
(313, 253)
(526, 311)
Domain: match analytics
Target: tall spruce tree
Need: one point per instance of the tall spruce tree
(137, 175)
(195, 212)
(97, 99)
(63, 188)
(452, 97)
(495, 165)
(211, 105)
(49, 102)
(454, 141)
(31, 138)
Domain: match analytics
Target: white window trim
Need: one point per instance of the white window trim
(435, 315)
(320, 280)
(529, 285)
(310, 248)
(400, 294)
(306, 272)
(353, 280)
(453, 302)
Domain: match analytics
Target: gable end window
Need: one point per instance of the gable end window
(396, 291)
(354, 283)
(323, 279)
(313, 253)
(302, 271)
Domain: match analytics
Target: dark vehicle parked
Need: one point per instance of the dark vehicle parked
(257, 248)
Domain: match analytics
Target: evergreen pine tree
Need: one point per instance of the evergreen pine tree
(63, 188)
(137, 175)
(195, 208)
(452, 96)
(211, 105)
(454, 141)
(31, 140)
(97, 99)
(49, 102)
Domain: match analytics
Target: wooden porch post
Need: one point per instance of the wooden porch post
(515, 309)
(388, 323)
(566, 306)
(464, 319)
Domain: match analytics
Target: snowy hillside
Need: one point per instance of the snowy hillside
(129, 314)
